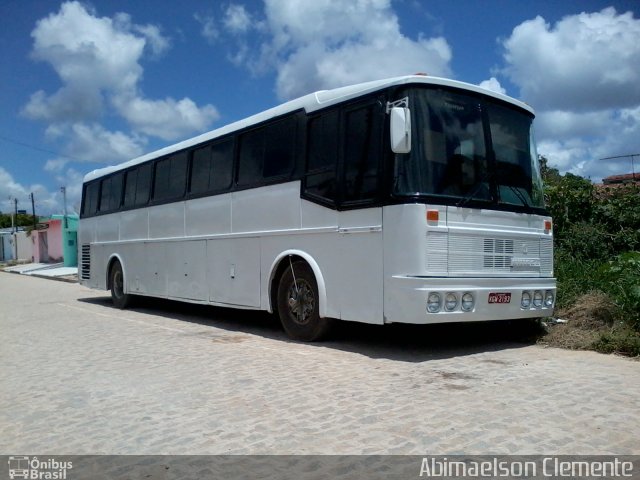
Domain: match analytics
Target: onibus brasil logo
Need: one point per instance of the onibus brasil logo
(33, 468)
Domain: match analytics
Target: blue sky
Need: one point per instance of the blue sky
(89, 84)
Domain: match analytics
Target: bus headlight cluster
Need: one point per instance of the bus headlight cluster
(537, 299)
(548, 298)
(468, 302)
(450, 302)
(433, 303)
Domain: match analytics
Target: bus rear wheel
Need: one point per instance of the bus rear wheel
(298, 304)
(116, 280)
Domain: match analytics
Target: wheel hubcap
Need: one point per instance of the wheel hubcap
(301, 301)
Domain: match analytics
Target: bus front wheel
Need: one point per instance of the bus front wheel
(116, 279)
(298, 307)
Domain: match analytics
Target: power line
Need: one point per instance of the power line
(622, 156)
(33, 147)
(631, 155)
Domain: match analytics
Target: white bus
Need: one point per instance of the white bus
(413, 199)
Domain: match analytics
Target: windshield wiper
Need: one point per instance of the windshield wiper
(469, 196)
(520, 196)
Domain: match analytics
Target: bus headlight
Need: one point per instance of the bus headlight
(467, 302)
(537, 299)
(526, 300)
(450, 302)
(433, 302)
(548, 298)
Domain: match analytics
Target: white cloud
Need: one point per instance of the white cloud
(45, 202)
(494, 85)
(564, 125)
(583, 62)
(582, 75)
(94, 143)
(90, 54)
(329, 43)
(55, 165)
(98, 58)
(156, 41)
(69, 103)
(237, 19)
(168, 119)
(10, 188)
(208, 30)
(578, 142)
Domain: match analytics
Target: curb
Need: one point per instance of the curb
(64, 278)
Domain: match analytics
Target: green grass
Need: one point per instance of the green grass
(601, 301)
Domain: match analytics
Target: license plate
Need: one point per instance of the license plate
(499, 298)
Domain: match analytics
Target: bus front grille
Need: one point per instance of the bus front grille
(469, 254)
(85, 262)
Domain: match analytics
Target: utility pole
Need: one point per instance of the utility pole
(11, 215)
(15, 232)
(64, 199)
(33, 210)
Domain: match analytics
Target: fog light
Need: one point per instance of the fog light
(548, 298)
(467, 302)
(526, 300)
(537, 299)
(433, 302)
(450, 302)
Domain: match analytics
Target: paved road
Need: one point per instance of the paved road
(80, 377)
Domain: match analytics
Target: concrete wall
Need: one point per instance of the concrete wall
(25, 246)
(54, 242)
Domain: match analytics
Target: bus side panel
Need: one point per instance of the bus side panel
(264, 209)
(208, 215)
(134, 261)
(108, 229)
(233, 271)
(166, 221)
(359, 263)
(187, 270)
(154, 270)
(134, 225)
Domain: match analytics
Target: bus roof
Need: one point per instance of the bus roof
(309, 103)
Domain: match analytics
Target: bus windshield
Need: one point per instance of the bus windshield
(469, 148)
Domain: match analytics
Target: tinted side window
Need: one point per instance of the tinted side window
(143, 185)
(171, 177)
(362, 153)
(130, 188)
(322, 156)
(200, 170)
(267, 152)
(221, 165)
(279, 147)
(111, 193)
(90, 200)
(115, 198)
(105, 194)
(211, 167)
(251, 157)
(136, 188)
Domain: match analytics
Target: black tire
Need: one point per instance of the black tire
(298, 304)
(120, 299)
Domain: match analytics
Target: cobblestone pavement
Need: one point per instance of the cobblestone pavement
(80, 377)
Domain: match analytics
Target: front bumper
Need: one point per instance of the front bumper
(406, 299)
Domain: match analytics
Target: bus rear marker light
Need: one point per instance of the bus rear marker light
(433, 215)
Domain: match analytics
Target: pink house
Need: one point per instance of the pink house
(47, 243)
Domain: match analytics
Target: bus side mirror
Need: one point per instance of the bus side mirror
(400, 126)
